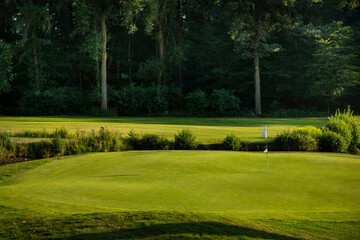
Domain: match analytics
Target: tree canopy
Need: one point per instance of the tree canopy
(303, 54)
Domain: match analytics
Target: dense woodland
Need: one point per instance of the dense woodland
(179, 57)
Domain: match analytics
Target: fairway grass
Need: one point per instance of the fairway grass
(207, 130)
(185, 194)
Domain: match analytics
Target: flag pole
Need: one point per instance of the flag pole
(267, 156)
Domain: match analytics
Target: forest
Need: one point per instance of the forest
(179, 57)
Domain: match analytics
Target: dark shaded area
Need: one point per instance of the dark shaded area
(173, 230)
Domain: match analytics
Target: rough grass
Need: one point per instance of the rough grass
(182, 194)
(207, 130)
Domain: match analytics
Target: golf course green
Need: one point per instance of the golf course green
(304, 195)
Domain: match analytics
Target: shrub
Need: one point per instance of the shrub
(196, 103)
(155, 101)
(57, 145)
(309, 131)
(296, 142)
(185, 140)
(61, 132)
(132, 141)
(348, 126)
(5, 142)
(332, 142)
(40, 150)
(150, 141)
(224, 103)
(54, 101)
(231, 142)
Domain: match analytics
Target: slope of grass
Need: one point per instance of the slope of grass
(208, 130)
(183, 194)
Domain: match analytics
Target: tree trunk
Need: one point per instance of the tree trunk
(103, 63)
(129, 57)
(161, 48)
(36, 64)
(257, 81)
(179, 36)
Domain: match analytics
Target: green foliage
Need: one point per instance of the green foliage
(333, 142)
(286, 113)
(232, 142)
(196, 102)
(224, 103)
(185, 140)
(296, 141)
(6, 67)
(147, 141)
(52, 102)
(61, 132)
(311, 131)
(39, 150)
(57, 145)
(348, 126)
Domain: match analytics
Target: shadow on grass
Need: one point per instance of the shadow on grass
(193, 230)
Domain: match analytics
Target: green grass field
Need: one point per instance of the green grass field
(207, 130)
(182, 194)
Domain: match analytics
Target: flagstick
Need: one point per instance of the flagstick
(267, 155)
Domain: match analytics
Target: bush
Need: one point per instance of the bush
(231, 142)
(296, 142)
(5, 142)
(309, 131)
(185, 140)
(348, 126)
(40, 150)
(150, 141)
(57, 145)
(61, 132)
(332, 142)
(196, 103)
(224, 103)
(54, 101)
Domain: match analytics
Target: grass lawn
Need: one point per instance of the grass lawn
(207, 130)
(182, 194)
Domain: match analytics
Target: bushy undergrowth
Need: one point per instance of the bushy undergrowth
(296, 141)
(148, 141)
(341, 134)
(185, 140)
(61, 132)
(348, 126)
(232, 142)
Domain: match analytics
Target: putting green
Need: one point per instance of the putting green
(297, 184)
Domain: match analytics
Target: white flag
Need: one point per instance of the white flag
(265, 132)
(266, 150)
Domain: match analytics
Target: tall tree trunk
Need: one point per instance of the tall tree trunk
(36, 64)
(179, 36)
(161, 47)
(129, 58)
(103, 63)
(257, 81)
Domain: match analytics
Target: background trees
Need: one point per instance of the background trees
(306, 52)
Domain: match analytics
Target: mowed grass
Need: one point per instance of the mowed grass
(183, 194)
(207, 130)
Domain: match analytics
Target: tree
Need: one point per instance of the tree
(33, 21)
(6, 75)
(254, 22)
(333, 68)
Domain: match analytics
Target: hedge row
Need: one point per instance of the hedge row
(341, 134)
(130, 101)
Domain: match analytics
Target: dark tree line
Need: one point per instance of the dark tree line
(271, 54)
